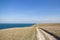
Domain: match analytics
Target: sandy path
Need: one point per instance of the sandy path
(41, 35)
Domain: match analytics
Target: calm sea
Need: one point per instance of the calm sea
(4, 26)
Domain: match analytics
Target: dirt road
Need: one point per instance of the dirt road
(42, 35)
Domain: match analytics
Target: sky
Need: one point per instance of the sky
(29, 11)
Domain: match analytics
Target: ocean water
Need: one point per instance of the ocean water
(5, 26)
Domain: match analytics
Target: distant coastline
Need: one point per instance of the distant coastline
(14, 25)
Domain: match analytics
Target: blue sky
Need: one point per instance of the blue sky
(29, 11)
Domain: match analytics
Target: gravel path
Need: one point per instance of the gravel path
(42, 35)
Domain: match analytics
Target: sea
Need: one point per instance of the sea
(14, 25)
